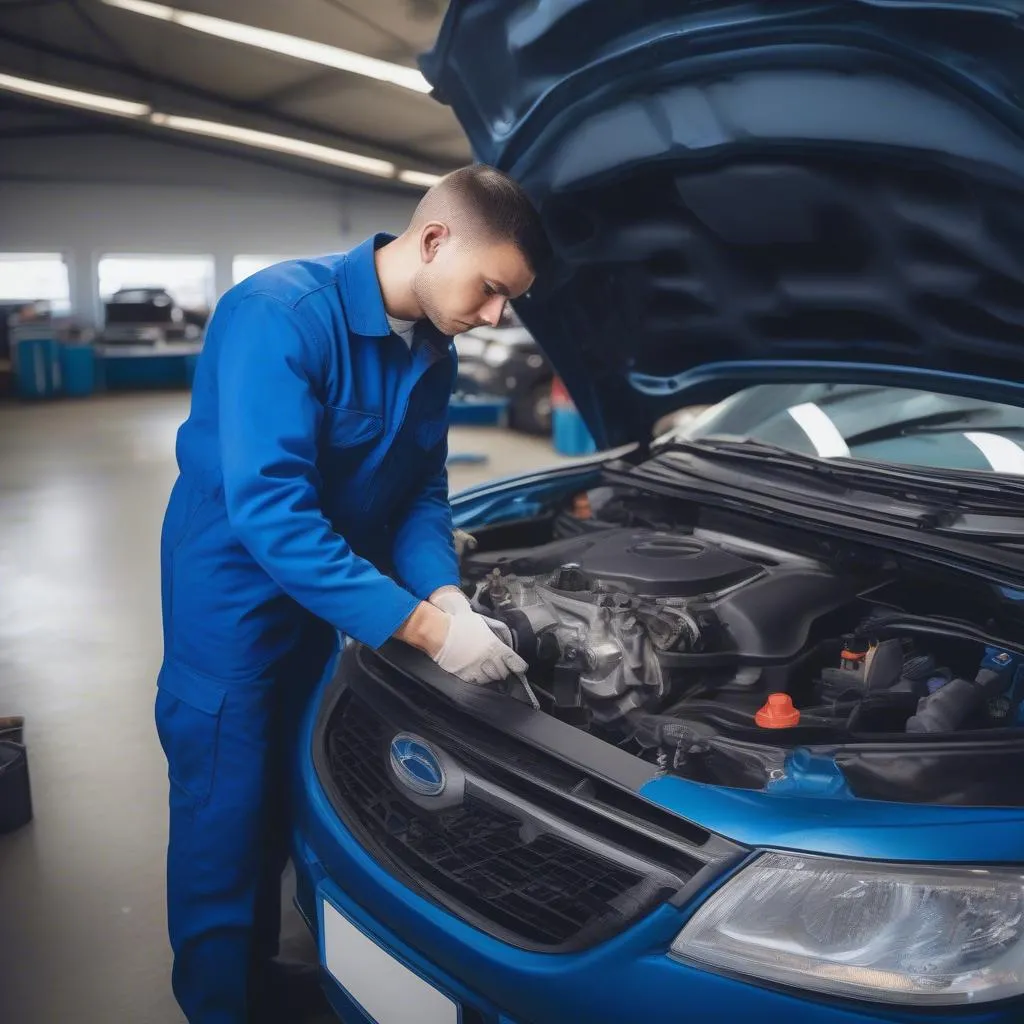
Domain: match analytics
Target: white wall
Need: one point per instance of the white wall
(113, 194)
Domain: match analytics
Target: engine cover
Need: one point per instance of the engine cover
(625, 612)
(765, 599)
(665, 564)
(638, 561)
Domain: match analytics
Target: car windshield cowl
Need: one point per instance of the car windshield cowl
(959, 488)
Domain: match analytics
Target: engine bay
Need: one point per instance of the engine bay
(716, 648)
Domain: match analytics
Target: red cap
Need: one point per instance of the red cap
(778, 712)
(560, 394)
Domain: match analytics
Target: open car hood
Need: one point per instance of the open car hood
(742, 192)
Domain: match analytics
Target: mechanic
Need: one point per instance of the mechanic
(312, 500)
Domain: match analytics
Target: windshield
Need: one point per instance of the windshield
(882, 424)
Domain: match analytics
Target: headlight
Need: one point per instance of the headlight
(497, 354)
(889, 933)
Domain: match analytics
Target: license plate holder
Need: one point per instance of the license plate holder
(385, 988)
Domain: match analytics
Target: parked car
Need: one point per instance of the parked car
(140, 316)
(505, 361)
(765, 762)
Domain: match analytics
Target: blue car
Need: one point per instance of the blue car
(766, 763)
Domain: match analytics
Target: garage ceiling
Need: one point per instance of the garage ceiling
(99, 46)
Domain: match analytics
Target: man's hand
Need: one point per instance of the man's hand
(426, 629)
(451, 600)
(464, 644)
(473, 652)
(454, 602)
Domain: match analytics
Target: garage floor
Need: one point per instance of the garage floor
(82, 492)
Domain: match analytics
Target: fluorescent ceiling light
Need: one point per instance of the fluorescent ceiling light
(280, 143)
(73, 97)
(216, 129)
(419, 178)
(279, 42)
(161, 11)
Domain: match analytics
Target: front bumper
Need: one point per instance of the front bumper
(627, 977)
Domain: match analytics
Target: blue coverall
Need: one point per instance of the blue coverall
(312, 500)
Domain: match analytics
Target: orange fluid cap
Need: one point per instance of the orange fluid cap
(853, 655)
(778, 712)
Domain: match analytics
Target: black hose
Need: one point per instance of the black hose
(720, 659)
(662, 731)
(882, 625)
(734, 659)
(734, 729)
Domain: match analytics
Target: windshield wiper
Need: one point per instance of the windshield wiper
(967, 489)
(933, 423)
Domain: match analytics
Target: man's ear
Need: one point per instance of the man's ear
(432, 237)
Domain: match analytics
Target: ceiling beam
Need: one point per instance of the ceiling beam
(100, 125)
(375, 147)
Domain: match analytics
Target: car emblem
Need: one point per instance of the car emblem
(416, 765)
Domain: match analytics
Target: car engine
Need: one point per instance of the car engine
(666, 640)
(625, 619)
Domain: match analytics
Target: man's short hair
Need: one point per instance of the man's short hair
(494, 203)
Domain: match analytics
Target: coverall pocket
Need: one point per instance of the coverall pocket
(188, 713)
(347, 428)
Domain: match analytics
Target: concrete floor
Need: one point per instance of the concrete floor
(82, 492)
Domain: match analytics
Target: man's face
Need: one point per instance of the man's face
(464, 283)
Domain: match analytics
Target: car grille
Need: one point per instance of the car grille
(513, 874)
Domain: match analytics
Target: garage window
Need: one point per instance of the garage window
(35, 277)
(245, 266)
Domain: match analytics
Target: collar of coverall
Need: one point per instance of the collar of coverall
(364, 305)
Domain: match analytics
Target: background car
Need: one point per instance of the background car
(507, 362)
(134, 316)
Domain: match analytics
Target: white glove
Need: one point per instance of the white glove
(451, 600)
(454, 602)
(474, 653)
